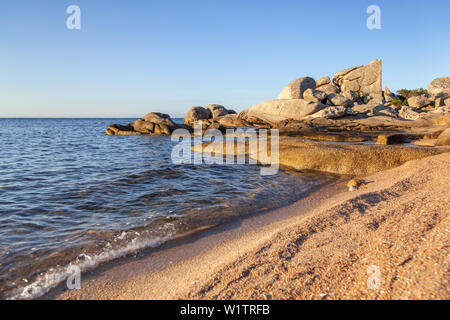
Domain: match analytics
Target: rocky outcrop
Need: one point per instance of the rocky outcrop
(195, 114)
(388, 95)
(408, 113)
(329, 88)
(315, 95)
(361, 79)
(304, 154)
(375, 109)
(322, 81)
(153, 123)
(277, 110)
(419, 102)
(296, 88)
(439, 86)
(217, 110)
(352, 96)
(340, 100)
(232, 120)
(444, 138)
(329, 113)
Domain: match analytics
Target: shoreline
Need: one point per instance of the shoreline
(185, 248)
(339, 233)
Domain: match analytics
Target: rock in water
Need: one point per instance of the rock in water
(444, 138)
(296, 88)
(278, 110)
(362, 79)
(195, 114)
(439, 85)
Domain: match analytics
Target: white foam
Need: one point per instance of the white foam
(54, 276)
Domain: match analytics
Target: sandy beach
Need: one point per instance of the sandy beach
(387, 240)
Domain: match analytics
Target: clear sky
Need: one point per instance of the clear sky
(133, 57)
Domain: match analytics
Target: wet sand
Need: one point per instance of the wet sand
(388, 240)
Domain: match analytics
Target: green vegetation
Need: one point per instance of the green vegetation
(405, 93)
(399, 103)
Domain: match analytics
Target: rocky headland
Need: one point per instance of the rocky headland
(345, 124)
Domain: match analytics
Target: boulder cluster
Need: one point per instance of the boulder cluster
(354, 93)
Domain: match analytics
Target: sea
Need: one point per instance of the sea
(71, 196)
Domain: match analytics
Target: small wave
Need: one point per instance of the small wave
(55, 276)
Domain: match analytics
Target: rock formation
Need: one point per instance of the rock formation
(365, 80)
(439, 86)
(154, 123)
(296, 88)
(277, 110)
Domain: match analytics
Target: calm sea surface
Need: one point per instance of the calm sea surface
(71, 195)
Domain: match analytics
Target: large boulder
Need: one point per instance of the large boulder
(322, 81)
(340, 100)
(195, 114)
(361, 79)
(329, 88)
(419, 102)
(296, 88)
(314, 95)
(217, 110)
(277, 110)
(351, 95)
(444, 138)
(439, 85)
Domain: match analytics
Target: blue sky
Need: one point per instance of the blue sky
(133, 57)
